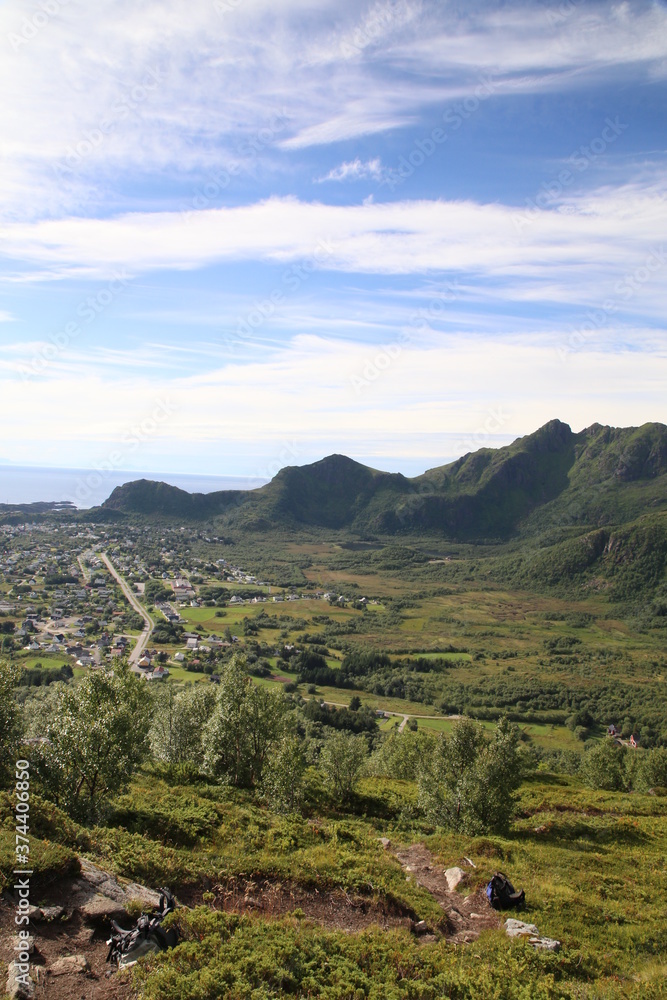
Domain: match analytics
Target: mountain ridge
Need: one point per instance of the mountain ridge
(554, 476)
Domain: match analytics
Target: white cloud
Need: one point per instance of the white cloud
(610, 238)
(320, 394)
(356, 170)
(119, 89)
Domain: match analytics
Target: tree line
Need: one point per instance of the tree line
(93, 736)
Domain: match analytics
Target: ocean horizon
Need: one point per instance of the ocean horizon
(90, 487)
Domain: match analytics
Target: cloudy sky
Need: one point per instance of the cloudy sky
(241, 234)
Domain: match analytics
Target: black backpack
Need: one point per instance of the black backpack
(147, 935)
(502, 895)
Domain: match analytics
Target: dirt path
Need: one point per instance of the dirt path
(463, 916)
(149, 624)
(334, 909)
(58, 940)
(84, 569)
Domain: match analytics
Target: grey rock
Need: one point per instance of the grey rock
(19, 986)
(385, 842)
(69, 964)
(99, 895)
(517, 928)
(97, 907)
(421, 927)
(52, 912)
(545, 943)
(454, 877)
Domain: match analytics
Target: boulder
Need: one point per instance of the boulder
(454, 877)
(99, 895)
(19, 985)
(517, 928)
(52, 912)
(385, 842)
(69, 964)
(97, 908)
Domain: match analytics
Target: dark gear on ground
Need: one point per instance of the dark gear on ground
(147, 935)
(502, 895)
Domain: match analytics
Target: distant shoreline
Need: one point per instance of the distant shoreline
(86, 488)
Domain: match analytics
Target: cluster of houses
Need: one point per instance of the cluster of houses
(616, 735)
(151, 669)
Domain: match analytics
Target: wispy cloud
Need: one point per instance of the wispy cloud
(171, 86)
(429, 396)
(356, 170)
(605, 235)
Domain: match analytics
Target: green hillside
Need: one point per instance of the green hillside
(550, 480)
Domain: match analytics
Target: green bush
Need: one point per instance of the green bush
(224, 955)
(49, 861)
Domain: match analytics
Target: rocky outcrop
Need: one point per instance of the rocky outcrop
(99, 895)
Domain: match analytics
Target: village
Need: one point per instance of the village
(60, 604)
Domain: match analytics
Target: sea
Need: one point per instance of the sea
(90, 487)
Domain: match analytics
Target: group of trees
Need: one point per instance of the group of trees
(614, 768)
(99, 731)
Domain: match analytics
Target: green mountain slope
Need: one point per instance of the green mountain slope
(544, 484)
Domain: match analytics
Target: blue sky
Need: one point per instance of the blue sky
(241, 234)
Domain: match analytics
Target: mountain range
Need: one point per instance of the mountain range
(554, 480)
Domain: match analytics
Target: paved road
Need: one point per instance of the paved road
(135, 655)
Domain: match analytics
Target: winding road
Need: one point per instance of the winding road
(149, 624)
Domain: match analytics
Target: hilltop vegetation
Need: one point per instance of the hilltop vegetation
(556, 509)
